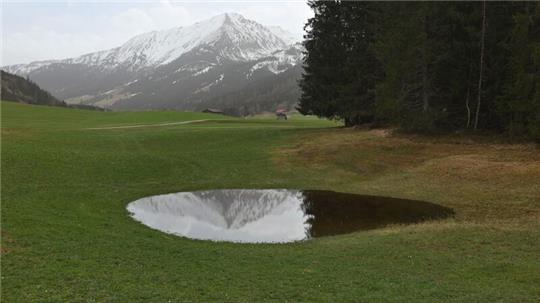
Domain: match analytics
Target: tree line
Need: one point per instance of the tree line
(425, 66)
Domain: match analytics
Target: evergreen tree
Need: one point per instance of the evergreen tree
(324, 60)
(340, 67)
(356, 97)
(519, 106)
(406, 50)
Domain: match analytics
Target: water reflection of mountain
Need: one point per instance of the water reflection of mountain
(240, 207)
(276, 215)
(224, 208)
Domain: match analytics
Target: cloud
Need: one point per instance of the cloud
(72, 33)
(42, 44)
(161, 16)
(167, 15)
(289, 15)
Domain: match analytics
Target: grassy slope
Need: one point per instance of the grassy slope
(66, 235)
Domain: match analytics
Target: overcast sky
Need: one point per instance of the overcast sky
(41, 30)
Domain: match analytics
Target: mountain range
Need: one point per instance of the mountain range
(226, 62)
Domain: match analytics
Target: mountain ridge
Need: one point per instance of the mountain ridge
(182, 35)
(179, 68)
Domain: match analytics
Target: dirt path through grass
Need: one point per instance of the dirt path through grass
(148, 125)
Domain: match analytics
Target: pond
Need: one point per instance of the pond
(275, 215)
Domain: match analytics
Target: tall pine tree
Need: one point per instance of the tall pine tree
(340, 69)
(519, 106)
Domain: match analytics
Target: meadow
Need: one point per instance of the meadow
(67, 176)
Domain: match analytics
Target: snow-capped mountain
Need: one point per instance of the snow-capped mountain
(241, 39)
(178, 68)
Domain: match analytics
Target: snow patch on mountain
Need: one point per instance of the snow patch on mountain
(206, 87)
(280, 60)
(202, 71)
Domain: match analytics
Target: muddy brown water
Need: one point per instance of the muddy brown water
(276, 215)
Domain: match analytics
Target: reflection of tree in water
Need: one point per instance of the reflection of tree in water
(331, 213)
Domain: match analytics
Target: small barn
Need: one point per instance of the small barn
(213, 111)
(281, 114)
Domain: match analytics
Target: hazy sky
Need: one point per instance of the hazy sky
(40, 30)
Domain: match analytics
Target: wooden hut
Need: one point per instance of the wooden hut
(281, 114)
(213, 111)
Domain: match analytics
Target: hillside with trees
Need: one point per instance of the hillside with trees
(19, 89)
(265, 95)
(425, 66)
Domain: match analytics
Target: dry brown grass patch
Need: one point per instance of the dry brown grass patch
(483, 182)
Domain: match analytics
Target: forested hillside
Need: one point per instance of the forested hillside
(425, 66)
(265, 95)
(15, 88)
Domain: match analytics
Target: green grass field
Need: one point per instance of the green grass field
(67, 176)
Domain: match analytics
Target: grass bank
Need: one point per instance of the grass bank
(66, 235)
